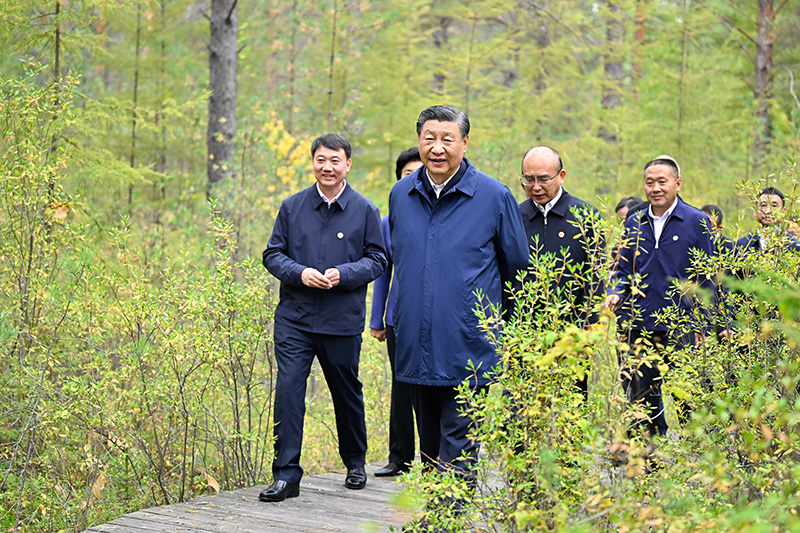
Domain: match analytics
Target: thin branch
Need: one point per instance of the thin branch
(777, 9)
(791, 85)
(744, 47)
(558, 21)
(742, 12)
(233, 6)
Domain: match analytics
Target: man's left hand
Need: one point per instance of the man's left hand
(333, 275)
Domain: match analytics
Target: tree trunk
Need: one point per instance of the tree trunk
(638, 35)
(223, 53)
(612, 89)
(134, 109)
(331, 66)
(682, 79)
(763, 136)
(292, 60)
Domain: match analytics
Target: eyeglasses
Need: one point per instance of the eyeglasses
(530, 181)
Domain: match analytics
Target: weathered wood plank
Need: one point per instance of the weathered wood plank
(324, 504)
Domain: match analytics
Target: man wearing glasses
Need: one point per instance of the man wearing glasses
(551, 225)
(770, 215)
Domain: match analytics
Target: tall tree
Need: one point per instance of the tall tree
(223, 54)
(763, 65)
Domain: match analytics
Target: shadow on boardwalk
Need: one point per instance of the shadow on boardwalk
(324, 504)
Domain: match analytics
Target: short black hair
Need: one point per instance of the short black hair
(334, 141)
(664, 161)
(713, 210)
(555, 152)
(444, 113)
(629, 202)
(406, 157)
(773, 190)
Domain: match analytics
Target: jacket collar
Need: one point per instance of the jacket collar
(561, 208)
(465, 185)
(342, 201)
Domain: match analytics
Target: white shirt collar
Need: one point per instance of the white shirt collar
(666, 214)
(544, 209)
(438, 188)
(338, 194)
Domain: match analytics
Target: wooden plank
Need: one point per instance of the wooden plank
(324, 505)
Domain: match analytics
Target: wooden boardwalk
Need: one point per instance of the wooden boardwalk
(324, 504)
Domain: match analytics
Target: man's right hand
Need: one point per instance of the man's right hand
(379, 334)
(311, 277)
(612, 301)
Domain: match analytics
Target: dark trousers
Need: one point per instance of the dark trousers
(401, 412)
(443, 429)
(338, 356)
(642, 383)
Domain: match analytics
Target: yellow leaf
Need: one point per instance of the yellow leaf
(212, 482)
(223, 120)
(60, 211)
(98, 485)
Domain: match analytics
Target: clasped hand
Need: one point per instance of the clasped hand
(311, 277)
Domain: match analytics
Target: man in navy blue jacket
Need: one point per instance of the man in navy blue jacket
(457, 239)
(326, 247)
(551, 225)
(654, 254)
(769, 212)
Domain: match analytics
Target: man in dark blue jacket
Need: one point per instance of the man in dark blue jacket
(769, 213)
(551, 226)
(326, 247)
(655, 253)
(457, 239)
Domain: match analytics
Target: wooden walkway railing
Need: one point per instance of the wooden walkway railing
(324, 504)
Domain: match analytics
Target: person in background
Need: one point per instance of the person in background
(716, 216)
(657, 250)
(457, 240)
(551, 226)
(326, 247)
(625, 205)
(401, 413)
(770, 210)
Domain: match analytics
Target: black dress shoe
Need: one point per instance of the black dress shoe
(356, 478)
(389, 470)
(279, 491)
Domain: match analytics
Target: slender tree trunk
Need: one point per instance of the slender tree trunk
(292, 60)
(223, 54)
(469, 61)
(638, 35)
(682, 79)
(331, 65)
(612, 89)
(441, 36)
(134, 110)
(57, 63)
(763, 136)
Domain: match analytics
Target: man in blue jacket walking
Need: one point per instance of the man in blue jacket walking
(655, 253)
(457, 239)
(326, 247)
